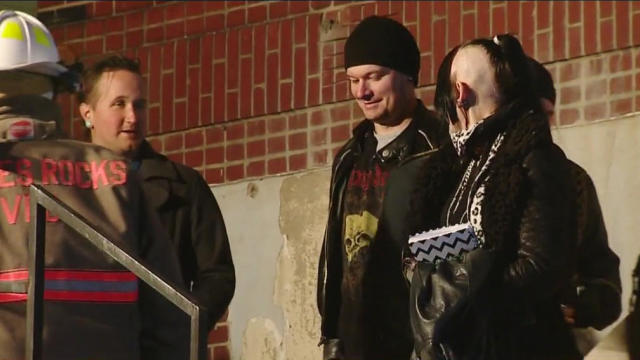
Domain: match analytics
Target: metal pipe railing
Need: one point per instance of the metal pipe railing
(42, 200)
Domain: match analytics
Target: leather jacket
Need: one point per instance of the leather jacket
(428, 133)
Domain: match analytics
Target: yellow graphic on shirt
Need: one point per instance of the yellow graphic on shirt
(359, 232)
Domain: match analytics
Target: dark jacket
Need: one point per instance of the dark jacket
(500, 301)
(378, 283)
(94, 308)
(596, 288)
(189, 211)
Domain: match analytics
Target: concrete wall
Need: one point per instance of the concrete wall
(276, 227)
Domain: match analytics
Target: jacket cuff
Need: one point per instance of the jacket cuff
(332, 349)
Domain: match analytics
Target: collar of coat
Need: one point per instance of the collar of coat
(525, 131)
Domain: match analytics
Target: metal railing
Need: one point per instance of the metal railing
(42, 200)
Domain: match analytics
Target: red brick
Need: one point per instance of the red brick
(596, 90)
(410, 12)
(256, 128)
(319, 137)
(134, 38)
(285, 96)
(180, 115)
(256, 168)
(74, 31)
(115, 24)
(318, 118)
(235, 131)
(94, 47)
(606, 9)
(316, 5)
(180, 69)
(484, 26)
(205, 110)
(382, 8)
(94, 28)
(621, 107)
(173, 142)
(623, 31)
(214, 135)
(313, 44)
(245, 87)
(513, 17)
(256, 148)
(575, 11)
(313, 92)
(439, 45)
(194, 8)
(569, 95)
(340, 133)
(273, 35)
(327, 93)
(258, 101)
(300, 78)
(319, 157)
(276, 166)
(155, 15)
(527, 27)
(597, 111)
(214, 155)
(194, 26)
(220, 45)
(595, 67)
(297, 162)
(175, 30)
(236, 17)
(297, 121)
(153, 122)
(193, 111)
(543, 52)
(214, 176)
(114, 42)
(589, 25)
(620, 85)
(606, 35)
(206, 64)
(246, 41)
(575, 41)
(154, 34)
(233, 172)
(636, 29)
(570, 71)
(620, 62)
(440, 8)
(278, 9)
(214, 5)
(542, 15)
(174, 11)
(298, 141)
(194, 158)
(300, 33)
(276, 144)
(276, 125)
(298, 7)
(468, 27)
(454, 20)
(559, 28)
(286, 50)
(232, 59)
(214, 22)
(341, 113)
(176, 157)
(123, 6)
(257, 14)
(259, 54)
(234, 152)
(219, 75)
(568, 116)
(155, 74)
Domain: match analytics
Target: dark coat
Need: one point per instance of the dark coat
(187, 208)
(380, 281)
(500, 301)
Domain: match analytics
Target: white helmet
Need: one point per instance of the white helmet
(27, 45)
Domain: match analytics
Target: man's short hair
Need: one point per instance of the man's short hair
(91, 75)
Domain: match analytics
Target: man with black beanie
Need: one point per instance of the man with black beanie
(362, 294)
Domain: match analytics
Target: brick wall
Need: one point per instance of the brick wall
(244, 89)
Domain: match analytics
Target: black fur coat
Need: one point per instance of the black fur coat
(500, 301)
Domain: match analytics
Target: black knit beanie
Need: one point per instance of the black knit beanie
(383, 41)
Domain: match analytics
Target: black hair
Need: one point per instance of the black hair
(443, 98)
(92, 74)
(542, 80)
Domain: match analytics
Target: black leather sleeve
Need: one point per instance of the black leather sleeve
(547, 229)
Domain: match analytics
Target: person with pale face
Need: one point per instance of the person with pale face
(501, 201)
(113, 107)
(115, 111)
(362, 295)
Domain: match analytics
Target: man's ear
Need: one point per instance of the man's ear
(465, 96)
(87, 113)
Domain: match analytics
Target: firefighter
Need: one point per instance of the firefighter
(94, 308)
